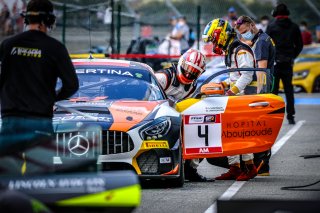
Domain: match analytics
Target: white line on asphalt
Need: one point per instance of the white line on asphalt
(236, 186)
(276, 147)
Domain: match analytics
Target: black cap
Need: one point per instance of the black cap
(281, 10)
(40, 5)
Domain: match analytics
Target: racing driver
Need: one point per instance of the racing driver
(237, 55)
(179, 82)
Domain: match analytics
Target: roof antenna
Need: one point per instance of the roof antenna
(90, 50)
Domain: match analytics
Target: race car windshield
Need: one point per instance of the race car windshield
(114, 87)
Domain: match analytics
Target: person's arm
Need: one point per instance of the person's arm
(298, 43)
(263, 63)
(245, 60)
(67, 74)
(162, 79)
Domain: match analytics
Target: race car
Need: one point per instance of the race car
(306, 70)
(215, 125)
(121, 116)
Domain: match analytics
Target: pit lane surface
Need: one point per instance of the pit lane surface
(287, 169)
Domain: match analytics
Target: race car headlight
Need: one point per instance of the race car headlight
(301, 74)
(156, 129)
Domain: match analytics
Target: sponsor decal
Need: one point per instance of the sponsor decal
(247, 124)
(26, 52)
(155, 144)
(54, 183)
(201, 119)
(196, 119)
(80, 117)
(138, 75)
(245, 129)
(247, 133)
(104, 71)
(210, 118)
(211, 109)
(129, 110)
(165, 160)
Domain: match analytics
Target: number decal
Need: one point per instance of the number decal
(202, 135)
(205, 135)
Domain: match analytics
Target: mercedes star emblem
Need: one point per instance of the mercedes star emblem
(78, 145)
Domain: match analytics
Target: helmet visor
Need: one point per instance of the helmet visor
(190, 72)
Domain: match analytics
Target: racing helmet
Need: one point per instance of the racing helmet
(190, 66)
(220, 33)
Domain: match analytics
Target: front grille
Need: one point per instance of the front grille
(78, 144)
(148, 163)
(115, 142)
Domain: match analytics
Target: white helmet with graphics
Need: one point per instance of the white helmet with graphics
(191, 65)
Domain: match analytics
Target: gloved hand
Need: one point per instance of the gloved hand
(229, 93)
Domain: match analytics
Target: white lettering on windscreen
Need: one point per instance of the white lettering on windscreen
(103, 71)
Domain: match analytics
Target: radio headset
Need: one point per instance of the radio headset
(283, 8)
(47, 18)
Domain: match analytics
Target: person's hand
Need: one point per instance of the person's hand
(230, 93)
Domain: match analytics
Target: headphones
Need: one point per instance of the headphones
(48, 18)
(283, 7)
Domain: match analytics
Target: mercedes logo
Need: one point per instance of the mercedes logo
(78, 145)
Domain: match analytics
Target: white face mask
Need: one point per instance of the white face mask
(247, 35)
(264, 23)
(302, 28)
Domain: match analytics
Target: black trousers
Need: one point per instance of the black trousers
(284, 71)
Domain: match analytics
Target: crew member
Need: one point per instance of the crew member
(179, 82)
(238, 55)
(288, 40)
(264, 50)
(31, 63)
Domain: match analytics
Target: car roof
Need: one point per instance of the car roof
(113, 63)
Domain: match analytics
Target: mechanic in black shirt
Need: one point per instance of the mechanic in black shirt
(264, 50)
(288, 40)
(31, 63)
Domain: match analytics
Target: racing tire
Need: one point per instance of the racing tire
(316, 85)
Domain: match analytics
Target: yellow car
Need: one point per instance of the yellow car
(306, 70)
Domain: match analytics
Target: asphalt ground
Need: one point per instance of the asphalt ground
(288, 168)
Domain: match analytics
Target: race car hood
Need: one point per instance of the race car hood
(302, 66)
(112, 115)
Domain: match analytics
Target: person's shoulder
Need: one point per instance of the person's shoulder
(54, 41)
(264, 38)
(14, 38)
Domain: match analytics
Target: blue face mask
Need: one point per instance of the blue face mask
(247, 35)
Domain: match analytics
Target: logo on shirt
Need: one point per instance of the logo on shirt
(26, 52)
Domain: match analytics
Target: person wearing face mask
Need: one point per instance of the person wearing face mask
(237, 55)
(305, 33)
(264, 50)
(264, 21)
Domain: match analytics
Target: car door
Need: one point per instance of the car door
(218, 125)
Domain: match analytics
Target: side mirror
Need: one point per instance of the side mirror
(212, 89)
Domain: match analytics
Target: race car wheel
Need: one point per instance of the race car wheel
(316, 85)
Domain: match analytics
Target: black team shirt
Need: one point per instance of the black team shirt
(31, 63)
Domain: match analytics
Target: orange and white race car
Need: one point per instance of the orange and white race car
(215, 125)
(121, 116)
